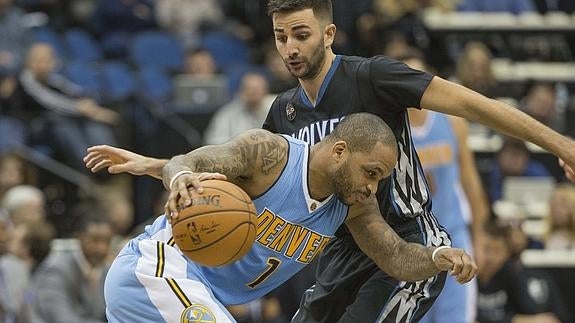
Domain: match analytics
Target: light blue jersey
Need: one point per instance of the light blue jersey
(151, 273)
(438, 149)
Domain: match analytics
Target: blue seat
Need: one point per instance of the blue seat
(85, 75)
(154, 85)
(115, 44)
(157, 49)
(225, 48)
(118, 81)
(81, 46)
(49, 36)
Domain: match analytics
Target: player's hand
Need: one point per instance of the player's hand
(116, 160)
(457, 262)
(569, 172)
(184, 189)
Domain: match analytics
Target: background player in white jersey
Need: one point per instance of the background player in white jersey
(459, 202)
(151, 281)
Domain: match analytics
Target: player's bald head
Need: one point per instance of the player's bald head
(362, 131)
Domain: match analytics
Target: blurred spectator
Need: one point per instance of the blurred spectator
(281, 78)
(13, 172)
(539, 102)
(119, 211)
(24, 204)
(518, 240)
(70, 284)
(561, 218)
(200, 63)
(187, 18)
(14, 277)
(14, 38)
(473, 69)
(31, 242)
(247, 110)
(45, 98)
(123, 16)
(507, 292)
(511, 6)
(513, 159)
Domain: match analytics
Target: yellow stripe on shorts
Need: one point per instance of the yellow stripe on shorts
(161, 259)
(178, 291)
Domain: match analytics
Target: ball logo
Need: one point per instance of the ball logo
(197, 314)
(213, 200)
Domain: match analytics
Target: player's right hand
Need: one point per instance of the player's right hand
(183, 189)
(457, 262)
(116, 160)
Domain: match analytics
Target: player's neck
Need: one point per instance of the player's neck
(318, 179)
(312, 86)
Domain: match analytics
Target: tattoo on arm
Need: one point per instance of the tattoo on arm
(402, 260)
(249, 153)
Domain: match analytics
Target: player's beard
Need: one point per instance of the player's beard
(312, 66)
(341, 181)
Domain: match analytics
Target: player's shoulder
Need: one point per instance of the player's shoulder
(283, 98)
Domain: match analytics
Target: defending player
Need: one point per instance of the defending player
(349, 287)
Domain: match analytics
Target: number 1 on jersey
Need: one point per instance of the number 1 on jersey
(273, 264)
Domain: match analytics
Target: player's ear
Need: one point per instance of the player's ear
(339, 150)
(329, 35)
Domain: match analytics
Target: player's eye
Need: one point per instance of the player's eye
(281, 39)
(371, 173)
(302, 36)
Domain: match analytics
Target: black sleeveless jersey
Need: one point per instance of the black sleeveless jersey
(378, 85)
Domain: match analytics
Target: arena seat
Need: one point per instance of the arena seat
(82, 46)
(118, 81)
(157, 49)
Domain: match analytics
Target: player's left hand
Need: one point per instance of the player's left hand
(569, 172)
(457, 262)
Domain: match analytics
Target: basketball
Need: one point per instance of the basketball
(219, 227)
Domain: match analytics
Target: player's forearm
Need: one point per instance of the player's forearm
(447, 97)
(401, 260)
(212, 159)
(154, 167)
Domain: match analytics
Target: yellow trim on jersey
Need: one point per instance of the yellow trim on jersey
(161, 259)
(178, 291)
(273, 264)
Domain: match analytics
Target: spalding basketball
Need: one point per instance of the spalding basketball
(219, 227)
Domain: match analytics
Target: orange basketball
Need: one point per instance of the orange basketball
(219, 227)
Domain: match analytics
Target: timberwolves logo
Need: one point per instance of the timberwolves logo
(197, 314)
(290, 111)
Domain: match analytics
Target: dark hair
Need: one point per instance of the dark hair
(362, 131)
(321, 8)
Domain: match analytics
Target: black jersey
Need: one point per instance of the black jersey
(377, 85)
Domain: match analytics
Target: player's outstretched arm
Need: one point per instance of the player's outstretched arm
(250, 161)
(447, 97)
(118, 160)
(398, 258)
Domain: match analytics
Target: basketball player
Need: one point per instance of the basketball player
(349, 286)
(302, 195)
(458, 199)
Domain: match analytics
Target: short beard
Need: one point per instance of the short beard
(341, 180)
(315, 63)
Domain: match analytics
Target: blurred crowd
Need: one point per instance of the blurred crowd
(142, 73)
